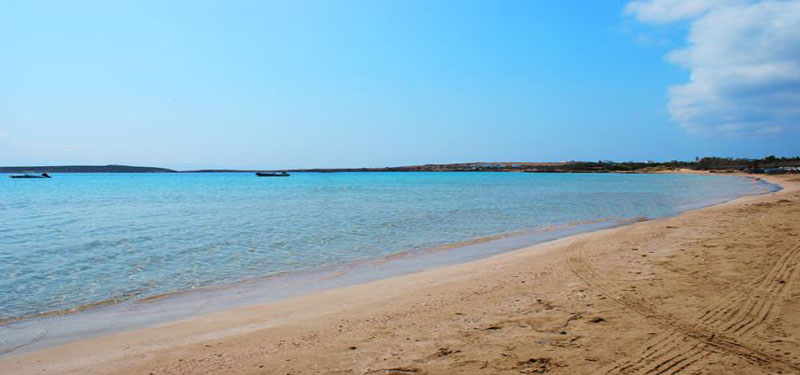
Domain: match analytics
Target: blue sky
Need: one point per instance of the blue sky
(257, 84)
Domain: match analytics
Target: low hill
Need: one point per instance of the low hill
(85, 169)
(453, 167)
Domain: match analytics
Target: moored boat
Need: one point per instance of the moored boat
(30, 175)
(273, 174)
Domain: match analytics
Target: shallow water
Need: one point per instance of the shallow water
(82, 239)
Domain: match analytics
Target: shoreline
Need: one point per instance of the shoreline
(40, 331)
(248, 319)
(141, 313)
(548, 233)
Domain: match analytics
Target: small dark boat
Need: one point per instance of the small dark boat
(273, 174)
(29, 175)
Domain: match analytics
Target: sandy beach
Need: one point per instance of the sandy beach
(711, 291)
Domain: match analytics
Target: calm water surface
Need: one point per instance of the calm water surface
(80, 239)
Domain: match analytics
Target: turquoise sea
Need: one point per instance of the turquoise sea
(83, 239)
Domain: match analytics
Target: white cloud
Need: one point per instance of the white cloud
(744, 63)
(665, 11)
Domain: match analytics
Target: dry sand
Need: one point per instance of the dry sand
(712, 291)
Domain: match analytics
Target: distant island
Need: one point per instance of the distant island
(711, 164)
(85, 169)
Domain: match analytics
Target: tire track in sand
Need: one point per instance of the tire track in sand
(687, 344)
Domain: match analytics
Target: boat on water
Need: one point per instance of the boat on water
(30, 175)
(273, 174)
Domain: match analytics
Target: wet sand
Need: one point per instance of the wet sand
(712, 291)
